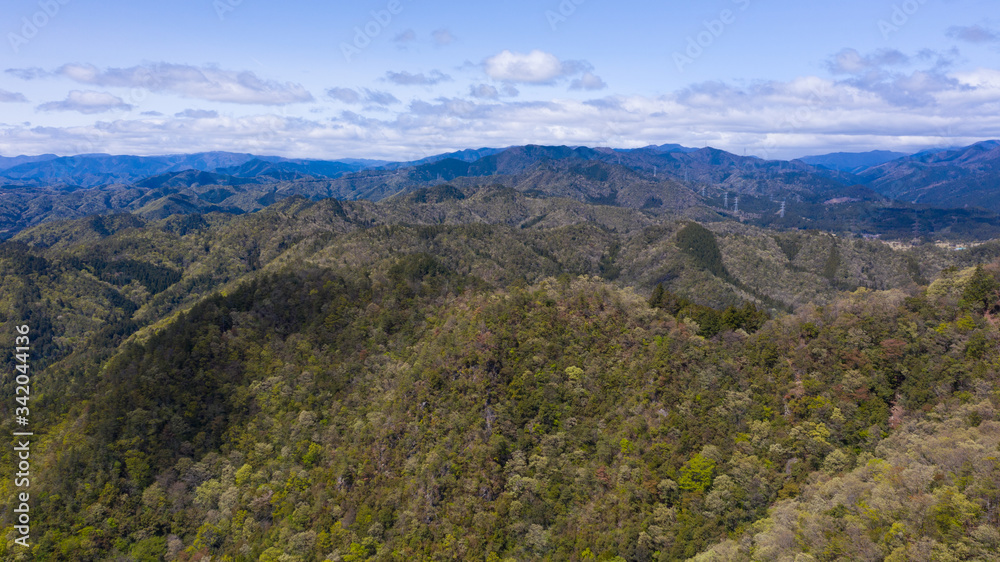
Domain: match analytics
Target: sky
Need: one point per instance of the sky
(405, 79)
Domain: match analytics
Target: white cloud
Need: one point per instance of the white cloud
(490, 92)
(484, 92)
(88, 102)
(973, 34)
(380, 98)
(850, 61)
(443, 37)
(198, 114)
(206, 83)
(405, 37)
(407, 79)
(28, 73)
(589, 81)
(370, 97)
(12, 97)
(809, 114)
(346, 95)
(540, 68)
(536, 67)
(881, 73)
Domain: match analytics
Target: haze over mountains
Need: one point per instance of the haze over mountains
(945, 194)
(853, 162)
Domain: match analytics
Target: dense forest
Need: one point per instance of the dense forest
(552, 380)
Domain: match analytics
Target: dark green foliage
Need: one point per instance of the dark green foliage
(608, 268)
(437, 194)
(121, 272)
(832, 262)
(593, 172)
(699, 243)
(747, 317)
(982, 292)
(185, 224)
(656, 300)
(652, 203)
(110, 224)
(19, 258)
(710, 321)
(789, 245)
(914, 269)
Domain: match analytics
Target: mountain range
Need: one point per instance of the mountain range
(853, 162)
(92, 170)
(931, 195)
(495, 367)
(529, 353)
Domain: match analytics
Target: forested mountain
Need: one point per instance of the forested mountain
(468, 155)
(853, 162)
(699, 183)
(488, 373)
(92, 170)
(11, 161)
(537, 353)
(952, 178)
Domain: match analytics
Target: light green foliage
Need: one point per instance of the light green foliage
(696, 474)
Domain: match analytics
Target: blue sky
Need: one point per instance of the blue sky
(401, 79)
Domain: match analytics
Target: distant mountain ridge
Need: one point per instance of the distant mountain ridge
(965, 177)
(92, 170)
(7, 162)
(467, 155)
(660, 148)
(813, 188)
(853, 162)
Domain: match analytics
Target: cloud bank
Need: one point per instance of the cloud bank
(204, 83)
(87, 102)
(884, 99)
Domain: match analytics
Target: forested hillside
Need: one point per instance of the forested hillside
(479, 374)
(926, 197)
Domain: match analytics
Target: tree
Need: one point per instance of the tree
(696, 474)
(981, 292)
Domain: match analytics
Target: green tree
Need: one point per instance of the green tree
(981, 292)
(696, 474)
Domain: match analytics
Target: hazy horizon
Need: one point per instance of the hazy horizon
(335, 158)
(397, 80)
